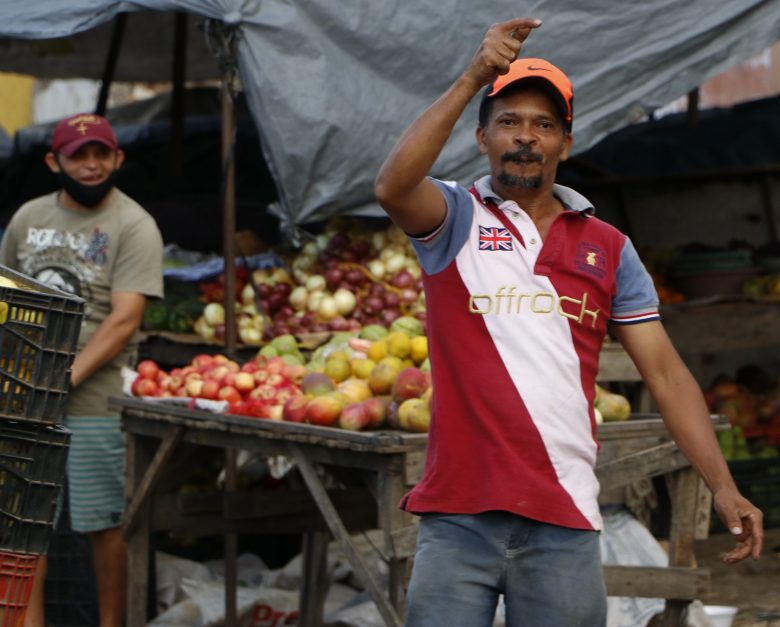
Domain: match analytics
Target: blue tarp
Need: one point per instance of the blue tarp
(331, 85)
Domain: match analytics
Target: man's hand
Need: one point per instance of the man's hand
(744, 520)
(498, 49)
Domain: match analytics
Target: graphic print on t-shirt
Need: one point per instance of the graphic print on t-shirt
(71, 261)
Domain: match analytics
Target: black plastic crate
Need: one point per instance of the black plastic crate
(70, 593)
(32, 473)
(39, 331)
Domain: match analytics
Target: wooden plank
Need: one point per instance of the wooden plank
(683, 488)
(314, 585)
(138, 452)
(391, 489)
(655, 461)
(757, 327)
(660, 582)
(390, 441)
(405, 540)
(615, 364)
(361, 567)
(151, 476)
(414, 467)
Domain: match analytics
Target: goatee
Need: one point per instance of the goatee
(519, 182)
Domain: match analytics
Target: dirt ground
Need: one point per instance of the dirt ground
(752, 586)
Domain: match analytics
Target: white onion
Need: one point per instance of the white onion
(377, 268)
(328, 308)
(214, 314)
(309, 250)
(248, 294)
(299, 297)
(315, 282)
(395, 263)
(314, 299)
(345, 301)
(390, 251)
(379, 240)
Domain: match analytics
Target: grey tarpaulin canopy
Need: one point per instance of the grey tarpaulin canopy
(331, 85)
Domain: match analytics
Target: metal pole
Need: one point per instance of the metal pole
(178, 104)
(117, 34)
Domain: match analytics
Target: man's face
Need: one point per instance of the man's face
(91, 164)
(524, 140)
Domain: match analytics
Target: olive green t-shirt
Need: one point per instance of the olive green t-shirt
(115, 248)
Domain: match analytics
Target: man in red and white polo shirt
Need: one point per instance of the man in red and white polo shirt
(521, 282)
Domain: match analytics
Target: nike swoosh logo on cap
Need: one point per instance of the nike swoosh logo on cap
(538, 69)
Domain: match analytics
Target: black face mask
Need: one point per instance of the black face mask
(86, 195)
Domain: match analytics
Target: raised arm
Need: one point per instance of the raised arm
(685, 414)
(412, 201)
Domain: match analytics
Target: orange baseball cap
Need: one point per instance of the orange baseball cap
(524, 69)
(72, 133)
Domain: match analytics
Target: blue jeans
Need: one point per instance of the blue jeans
(550, 576)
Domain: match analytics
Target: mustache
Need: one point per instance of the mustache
(520, 155)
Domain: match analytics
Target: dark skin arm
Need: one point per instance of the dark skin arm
(685, 414)
(412, 201)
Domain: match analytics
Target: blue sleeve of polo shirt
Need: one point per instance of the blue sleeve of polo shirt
(436, 250)
(635, 298)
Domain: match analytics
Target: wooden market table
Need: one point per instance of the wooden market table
(164, 442)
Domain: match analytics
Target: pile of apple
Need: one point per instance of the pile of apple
(384, 383)
(258, 388)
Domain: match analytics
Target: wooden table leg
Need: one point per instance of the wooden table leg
(362, 569)
(138, 454)
(392, 518)
(315, 573)
(683, 492)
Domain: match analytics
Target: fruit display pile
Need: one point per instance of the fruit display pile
(751, 401)
(350, 276)
(351, 382)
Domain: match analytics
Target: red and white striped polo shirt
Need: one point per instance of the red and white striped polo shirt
(515, 326)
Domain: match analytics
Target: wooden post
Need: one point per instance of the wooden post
(138, 454)
(315, 572)
(392, 518)
(683, 492)
(231, 544)
(229, 213)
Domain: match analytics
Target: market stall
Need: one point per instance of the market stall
(389, 462)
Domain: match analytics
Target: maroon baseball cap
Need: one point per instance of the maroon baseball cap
(72, 133)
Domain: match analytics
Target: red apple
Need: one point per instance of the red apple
(263, 392)
(144, 387)
(148, 369)
(202, 362)
(244, 382)
(210, 389)
(175, 382)
(194, 387)
(217, 373)
(260, 376)
(230, 394)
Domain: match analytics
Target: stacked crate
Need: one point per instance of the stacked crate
(39, 329)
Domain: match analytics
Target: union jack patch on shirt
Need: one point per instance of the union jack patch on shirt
(494, 238)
